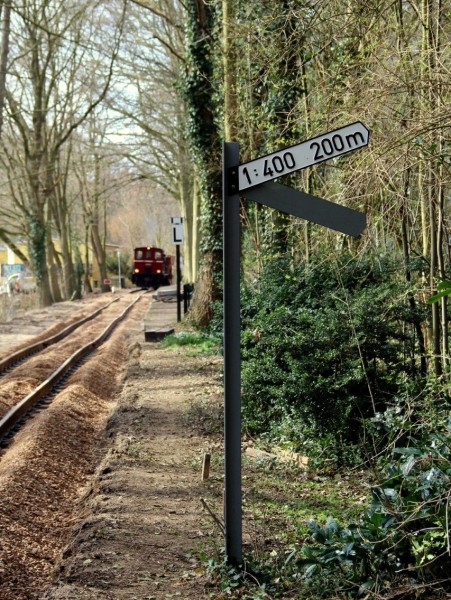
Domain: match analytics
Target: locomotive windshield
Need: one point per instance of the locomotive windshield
(146, 254)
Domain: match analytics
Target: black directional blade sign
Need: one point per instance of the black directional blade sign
(319, 211)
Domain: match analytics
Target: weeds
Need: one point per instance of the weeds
(201, 343)
(278, 501)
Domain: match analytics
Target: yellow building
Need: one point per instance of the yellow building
(10, 263)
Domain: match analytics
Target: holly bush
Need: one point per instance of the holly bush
(402, 540)
(324, 347)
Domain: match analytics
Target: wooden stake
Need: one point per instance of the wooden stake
(206, 467)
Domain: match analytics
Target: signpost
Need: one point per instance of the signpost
(232, 362)
(251, 180)
(177, 239)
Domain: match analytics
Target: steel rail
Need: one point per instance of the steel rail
(21, 408)
(12, 359)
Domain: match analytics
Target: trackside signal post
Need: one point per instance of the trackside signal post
(177, 239)
(251, 180)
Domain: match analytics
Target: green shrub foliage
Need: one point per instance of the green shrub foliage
(325, 346)
(402, 539)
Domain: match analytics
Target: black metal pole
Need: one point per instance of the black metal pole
(179, 278)
(232, 366)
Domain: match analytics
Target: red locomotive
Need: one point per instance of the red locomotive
(151, 267)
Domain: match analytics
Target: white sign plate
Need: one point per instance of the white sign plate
(177, 234)
(177, 230)
(308, 153)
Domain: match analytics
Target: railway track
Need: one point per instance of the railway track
(15, 357)
(34, 366)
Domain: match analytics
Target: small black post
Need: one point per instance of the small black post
(185, 298)
(179, 279)
(232, 364)
(187, 293)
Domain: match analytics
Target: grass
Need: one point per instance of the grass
(200, 343)
(283, 499)
(278, 501)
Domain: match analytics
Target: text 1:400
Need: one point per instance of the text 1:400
(279, 164)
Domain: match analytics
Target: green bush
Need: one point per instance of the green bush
(402, 539)
(324, 348)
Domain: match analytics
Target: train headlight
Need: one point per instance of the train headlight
(136, 270)
(158, 271)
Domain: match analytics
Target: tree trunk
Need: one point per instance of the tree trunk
(6, 22)
(440, 192)
(204, 138)
(186, 205)
(38, 259)
(54, 270)
(229, 64)
(431, 48)
(99, 253)
(195, 231)
(87, 267)
(407, 273)
(201, 310)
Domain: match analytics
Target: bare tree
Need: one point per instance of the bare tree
(49, 96)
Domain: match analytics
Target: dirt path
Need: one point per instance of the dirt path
(144, 515)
